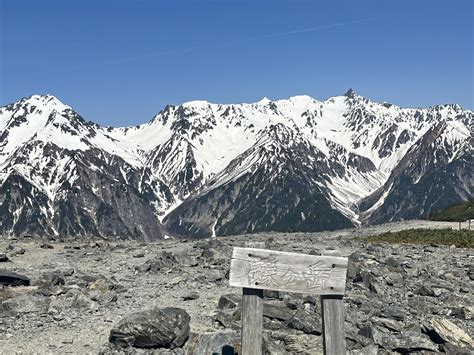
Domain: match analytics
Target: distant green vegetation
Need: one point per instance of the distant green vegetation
(461, 212)
(461, 238)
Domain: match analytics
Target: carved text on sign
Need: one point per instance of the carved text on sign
(289, 272)
(264, 272)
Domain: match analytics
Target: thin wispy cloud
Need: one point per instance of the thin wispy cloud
(311, 29)
(214, 46)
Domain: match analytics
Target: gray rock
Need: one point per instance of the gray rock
(15, 250)
(444, 331)
(413, 272)
(368, 280)
(392, 262)
(155, 328)
(51, 279)
(10, 278)
(225, 343)
(301, 319)
(388, 323)
(230, 300)
(228, 318)
(366, 350)
(411, 341)
(190, 296)
(450, 349)
(67, 271)
(424, 290)
(394, 312)
(3, 258)
(374, 334)
(271, 294)
(26, 303)
(213, 275)
(81, 301)
(293, 301)
(166, 260)
(209, 254)
(303, 344)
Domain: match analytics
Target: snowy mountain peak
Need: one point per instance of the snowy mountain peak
(196, 104)
(264, 101)
(44, 102)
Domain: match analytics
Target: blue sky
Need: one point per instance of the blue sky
(119, 62)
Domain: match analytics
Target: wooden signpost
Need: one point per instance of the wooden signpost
(257, 269)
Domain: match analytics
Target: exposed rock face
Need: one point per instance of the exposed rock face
(201, 169)
(252, 201)
(156, 328)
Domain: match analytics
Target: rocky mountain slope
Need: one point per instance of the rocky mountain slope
(201, 169)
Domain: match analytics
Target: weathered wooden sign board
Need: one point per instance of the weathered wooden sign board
(290, 272)
(257, 269)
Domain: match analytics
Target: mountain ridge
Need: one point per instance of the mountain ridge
(346, 147)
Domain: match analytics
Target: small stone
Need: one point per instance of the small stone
(392, 262)
(388, 323)
(424, 290)
(67, 271)
(229, 301)
(190, 296)
(394, 312)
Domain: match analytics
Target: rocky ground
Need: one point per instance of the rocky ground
(74, 297)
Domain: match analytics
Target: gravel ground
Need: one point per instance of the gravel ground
(81, 289)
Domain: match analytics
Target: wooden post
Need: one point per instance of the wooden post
(252, 320)
(257, 269)
(332, 311)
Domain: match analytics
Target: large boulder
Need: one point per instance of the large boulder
(155, 328)
(10, 278)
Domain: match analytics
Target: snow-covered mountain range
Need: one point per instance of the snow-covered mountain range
(202, 169)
